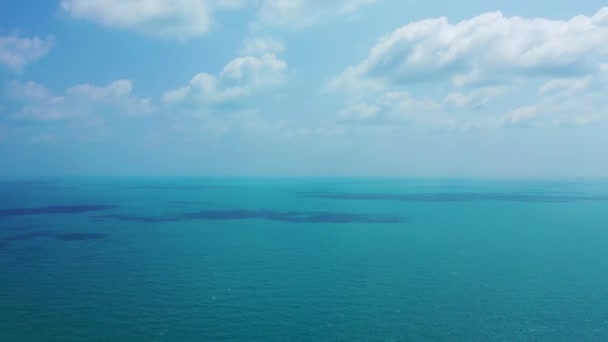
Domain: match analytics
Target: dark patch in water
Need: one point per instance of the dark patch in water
(72, 209)
(26, 182)
(288, 216)
(458, 197)
(184, 202)
(53, 187)
(135, 218)
(52, 234)
(30, 235)
(80, 236)
(37, 184)
(294, 217)
(174, 187)
(23, 228)
(552, 193)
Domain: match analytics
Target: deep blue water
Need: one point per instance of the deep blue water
(155, 259)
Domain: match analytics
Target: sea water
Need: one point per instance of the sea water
(295, 259)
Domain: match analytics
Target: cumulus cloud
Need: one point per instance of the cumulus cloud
(83, 100)
(162, 18)
(487, 71)
(557, 102)
(302, 13)
(17, 52)
(483, 50)
(393, 108)
(261, 45)
(519, 115)
(190, 18)
(242, 123)
(200, 108)
(361, 111)
(239, 78)
(575, 102)
(476, 98)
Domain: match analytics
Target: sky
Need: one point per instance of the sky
(398, 88)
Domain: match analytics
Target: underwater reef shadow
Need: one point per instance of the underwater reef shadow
(457, 197)
(54, 210)
(56, 235)
(22, 227)
(79, 236)
(281, 216)
(30, 235)
(175, 187)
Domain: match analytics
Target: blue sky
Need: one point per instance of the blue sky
(304, 88)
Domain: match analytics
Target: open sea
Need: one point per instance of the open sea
(297, 259)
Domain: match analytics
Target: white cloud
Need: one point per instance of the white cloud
(162, 18)
(28, 91)
(566, 86)
(243, 123)
(558, 102)
(261, 45)
(239, 78)
(83, 100)
(87, 107)
(474, 99)
(17, 52)
(520, 115)
(185, 19)
(212, 106)
(302, 13)
(488, 71)
(485, 49)
(401, 106)
(578, 102)
(395, 108)
(361, 111)
(330, 130)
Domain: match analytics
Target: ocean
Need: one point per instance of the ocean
(303, 259)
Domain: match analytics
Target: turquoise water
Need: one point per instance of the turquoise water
(159, 259)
